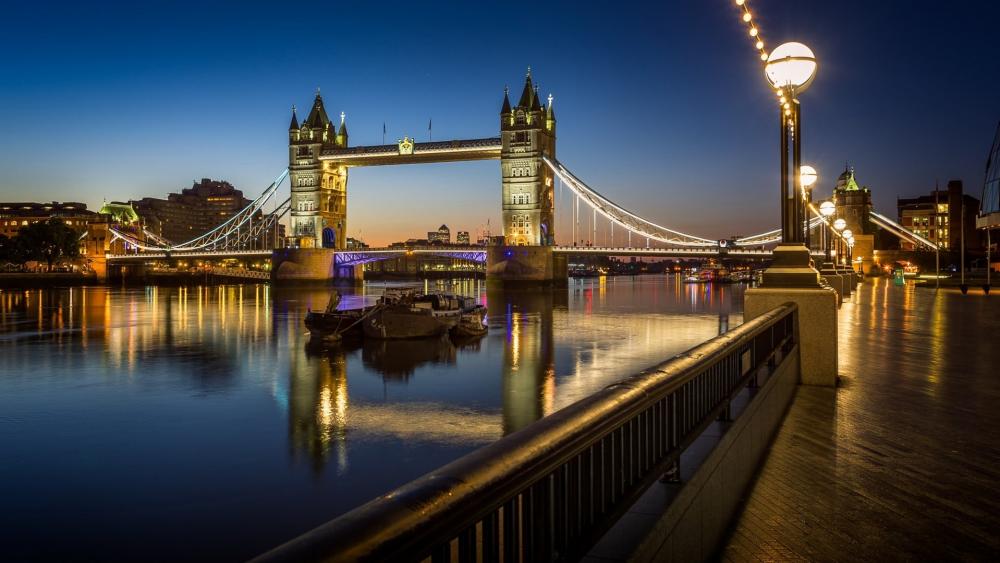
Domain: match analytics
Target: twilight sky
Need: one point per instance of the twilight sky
(661, 106)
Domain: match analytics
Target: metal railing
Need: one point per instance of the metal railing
(550, 490)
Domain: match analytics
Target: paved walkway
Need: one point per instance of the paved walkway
(902, 461)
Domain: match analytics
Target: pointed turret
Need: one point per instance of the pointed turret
(535, 104)
(342, 132)
(550, 114)
(295, 121)
(528, 93)
(317, 116)
(506, 102)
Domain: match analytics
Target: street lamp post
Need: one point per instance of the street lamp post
(850, 253)
(848, 238)
(790, 68)
(827, 209)
(791, 276)
(807, 177)
(840, 224)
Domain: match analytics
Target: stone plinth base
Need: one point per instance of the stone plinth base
(837, 282)
(817, 327)
(848, 282)
(525, 265)
(302, 265)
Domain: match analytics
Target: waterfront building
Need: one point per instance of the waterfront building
(462, 237)
(14, 215)
(989, 206)
(93, 227)
(938, 217)
(192, 212)
(442, 235)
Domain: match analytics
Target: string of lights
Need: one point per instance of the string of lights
(753, 31)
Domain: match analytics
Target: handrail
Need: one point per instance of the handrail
(549, 490)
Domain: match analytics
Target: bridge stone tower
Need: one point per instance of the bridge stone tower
(319, 189)
(527, 131)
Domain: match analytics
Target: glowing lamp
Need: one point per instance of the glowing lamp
(848, 234)
(827, 208)
(840, 224)
(791, 65)
(807, 175)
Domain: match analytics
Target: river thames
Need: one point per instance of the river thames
(200, 423)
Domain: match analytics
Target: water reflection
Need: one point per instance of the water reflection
(317, 408)
(528, 369)
(192, 382)
(399, 359)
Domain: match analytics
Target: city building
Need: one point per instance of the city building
(938, 217)
(192, 212)
(462, 237)
(94, 239)
(14, 215)
(442, 235)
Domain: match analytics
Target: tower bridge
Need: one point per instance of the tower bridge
(319, 160)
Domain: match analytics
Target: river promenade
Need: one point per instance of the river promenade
(902, 460)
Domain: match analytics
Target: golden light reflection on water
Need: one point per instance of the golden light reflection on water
(605, 328)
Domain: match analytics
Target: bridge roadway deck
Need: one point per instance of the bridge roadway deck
(902, 460)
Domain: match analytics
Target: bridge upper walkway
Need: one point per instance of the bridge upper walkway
(416, 153)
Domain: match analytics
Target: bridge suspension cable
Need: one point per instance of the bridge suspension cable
(240, 229)
(620, 215)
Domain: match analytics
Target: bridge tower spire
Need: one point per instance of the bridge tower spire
(527, 133)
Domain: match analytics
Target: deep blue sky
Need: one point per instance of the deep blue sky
(661, 106)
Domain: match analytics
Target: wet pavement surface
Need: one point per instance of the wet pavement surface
(902, 460)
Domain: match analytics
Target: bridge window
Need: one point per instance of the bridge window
(519, 118)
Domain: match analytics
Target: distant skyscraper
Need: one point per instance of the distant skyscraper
(462, 237)
(442, 235)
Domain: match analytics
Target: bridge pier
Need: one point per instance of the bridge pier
(302, 265)
(312, 266)
(525, 266)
